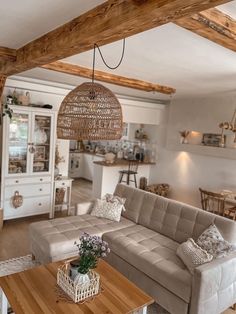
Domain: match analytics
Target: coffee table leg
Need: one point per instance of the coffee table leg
(4, 303)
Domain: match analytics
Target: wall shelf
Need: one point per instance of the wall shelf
(227, 152)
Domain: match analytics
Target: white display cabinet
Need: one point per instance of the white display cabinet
(28, 155)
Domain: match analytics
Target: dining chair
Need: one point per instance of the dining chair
(132, 171)
(217, 203)
(230, 212)
(213, 202)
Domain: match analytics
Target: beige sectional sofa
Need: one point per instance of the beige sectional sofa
(143, 247)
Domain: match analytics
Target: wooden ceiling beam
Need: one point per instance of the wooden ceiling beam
(213, 25)
(2, 85)
(7, 54)
(106, 23)
(77, 70)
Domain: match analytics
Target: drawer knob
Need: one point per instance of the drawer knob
(17, 181)
(41, 179)
(40, 190)
(63, 183)
(40, 204)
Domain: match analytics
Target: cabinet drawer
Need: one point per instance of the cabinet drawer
(28, 190)
(30, 206)
(62, 184)
(30, 180)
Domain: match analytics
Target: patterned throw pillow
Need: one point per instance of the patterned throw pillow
(212, 241)
(113, 199)
(108, 210)
(192, 255)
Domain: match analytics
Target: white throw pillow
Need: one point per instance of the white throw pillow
(192, 255)
(212, 241)
(108, 210)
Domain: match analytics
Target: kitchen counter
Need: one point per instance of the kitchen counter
(106, 176)
(121, 162)
(85, 152)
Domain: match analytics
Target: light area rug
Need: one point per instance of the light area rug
(16, 265)
(19, 264)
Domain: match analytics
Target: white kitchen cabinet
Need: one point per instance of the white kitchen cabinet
(76, 165)
(88, 167)
(81, 165)
(28, 154)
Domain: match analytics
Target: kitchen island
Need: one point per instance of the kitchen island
(106, 176)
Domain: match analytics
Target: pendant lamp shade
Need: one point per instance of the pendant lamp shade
(90, 112)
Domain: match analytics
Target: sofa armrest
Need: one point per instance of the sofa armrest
(84, 208)
(214, 286)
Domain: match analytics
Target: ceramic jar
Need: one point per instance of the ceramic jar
(40, 136)
(110, 158)
(82, 279)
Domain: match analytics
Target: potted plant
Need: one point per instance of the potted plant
(91, 248)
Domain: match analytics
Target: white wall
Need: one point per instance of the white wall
(141, 111)
(184, 171)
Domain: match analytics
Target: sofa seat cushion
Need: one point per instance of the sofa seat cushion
(57, 236)
(153, 254)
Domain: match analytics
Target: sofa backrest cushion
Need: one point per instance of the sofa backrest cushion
(174, 219)
(134, 201)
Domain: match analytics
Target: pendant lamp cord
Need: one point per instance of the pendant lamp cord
(94, 56)
(104, 61)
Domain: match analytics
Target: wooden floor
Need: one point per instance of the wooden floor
(81, 191)
(14, 240)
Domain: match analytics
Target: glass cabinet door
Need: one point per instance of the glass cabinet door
(41, 140)
(18, 143)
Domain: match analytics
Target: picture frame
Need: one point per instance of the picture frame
(212, 139)
(39, 153)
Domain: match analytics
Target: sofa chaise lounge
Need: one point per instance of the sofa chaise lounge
(143, 247)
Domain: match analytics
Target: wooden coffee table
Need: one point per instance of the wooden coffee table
(34, 291)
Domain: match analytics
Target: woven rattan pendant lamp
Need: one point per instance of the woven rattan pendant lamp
(91, 111)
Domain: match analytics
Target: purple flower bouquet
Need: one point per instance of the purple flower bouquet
(91, 248)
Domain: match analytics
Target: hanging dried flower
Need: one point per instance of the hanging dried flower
(184, 133)
(58, 158)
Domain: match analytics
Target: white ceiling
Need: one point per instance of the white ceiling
(166, 55)
(21, 21)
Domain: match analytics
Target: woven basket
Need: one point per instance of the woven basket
(77, 292)
(60, 194)
(161, 189)
(90, 112)
(17, 200)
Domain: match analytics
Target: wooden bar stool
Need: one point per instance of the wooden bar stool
(132, 171)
